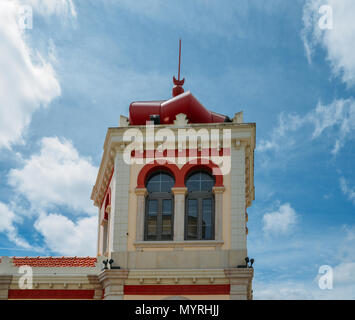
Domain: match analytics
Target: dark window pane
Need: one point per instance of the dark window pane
(167, 207)
(165, 186)
(200, 181)
(165, 177)
(207, 185)
(192, 220)
(152, 228)
(166, 228)
(192, 233)
(160, 182)
(193, 185)
(153, 186)
(207, 219)
(159, 215)
(192, 208)
(155, 178)
(166, 233)
(152, 207)
(152, 219)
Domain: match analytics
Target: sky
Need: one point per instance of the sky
(68, 73)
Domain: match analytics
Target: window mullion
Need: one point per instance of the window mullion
(159, 218)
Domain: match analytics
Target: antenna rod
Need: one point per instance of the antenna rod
(179, 58)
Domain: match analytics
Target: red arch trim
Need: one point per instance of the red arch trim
(180, 174)
(206, 164)
(151, 167)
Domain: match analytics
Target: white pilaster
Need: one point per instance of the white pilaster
(141, 194)
(218, 198)
(119, 203)
(238, 234)
(179, 212)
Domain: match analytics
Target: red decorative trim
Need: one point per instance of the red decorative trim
(107, 203)
(177, 289)
(181, 174)
(107, 188)
(151, 167)
(50, 294)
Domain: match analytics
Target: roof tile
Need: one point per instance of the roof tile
(55, 262)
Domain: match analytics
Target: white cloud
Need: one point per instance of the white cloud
(280, 221)
(57, 175)
(51, 7)
(283, 290)
(344, 273)
(7, 219)
(301, 290)
(66, 237)
(343, 287)
(347, 190)
(25, 85)
(337, 118)
(339, 42)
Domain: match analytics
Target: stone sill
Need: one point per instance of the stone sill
(178, 244)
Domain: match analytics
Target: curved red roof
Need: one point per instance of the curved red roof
(139, 112)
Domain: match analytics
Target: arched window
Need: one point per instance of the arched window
(159, 207)
(199, 213)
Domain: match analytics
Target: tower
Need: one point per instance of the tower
(172, 192)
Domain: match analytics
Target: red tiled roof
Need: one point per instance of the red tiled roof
(55, 262)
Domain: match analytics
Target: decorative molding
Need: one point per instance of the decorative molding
(178, 244)
(180, 120)
(238, 117)
(179, 190)
(249, 188)
(124, 122)
(218, 190)
(192, 275)
(141, 191)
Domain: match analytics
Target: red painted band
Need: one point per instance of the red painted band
(177, 289)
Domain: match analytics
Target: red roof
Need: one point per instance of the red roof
(50, 262)
(140, 112)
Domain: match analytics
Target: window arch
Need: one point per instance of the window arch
(199, 213)
(159, 207)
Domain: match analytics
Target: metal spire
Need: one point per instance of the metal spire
(178, 89)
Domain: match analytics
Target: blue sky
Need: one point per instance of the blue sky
(76, 71)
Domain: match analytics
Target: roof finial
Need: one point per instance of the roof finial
(178, 89)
